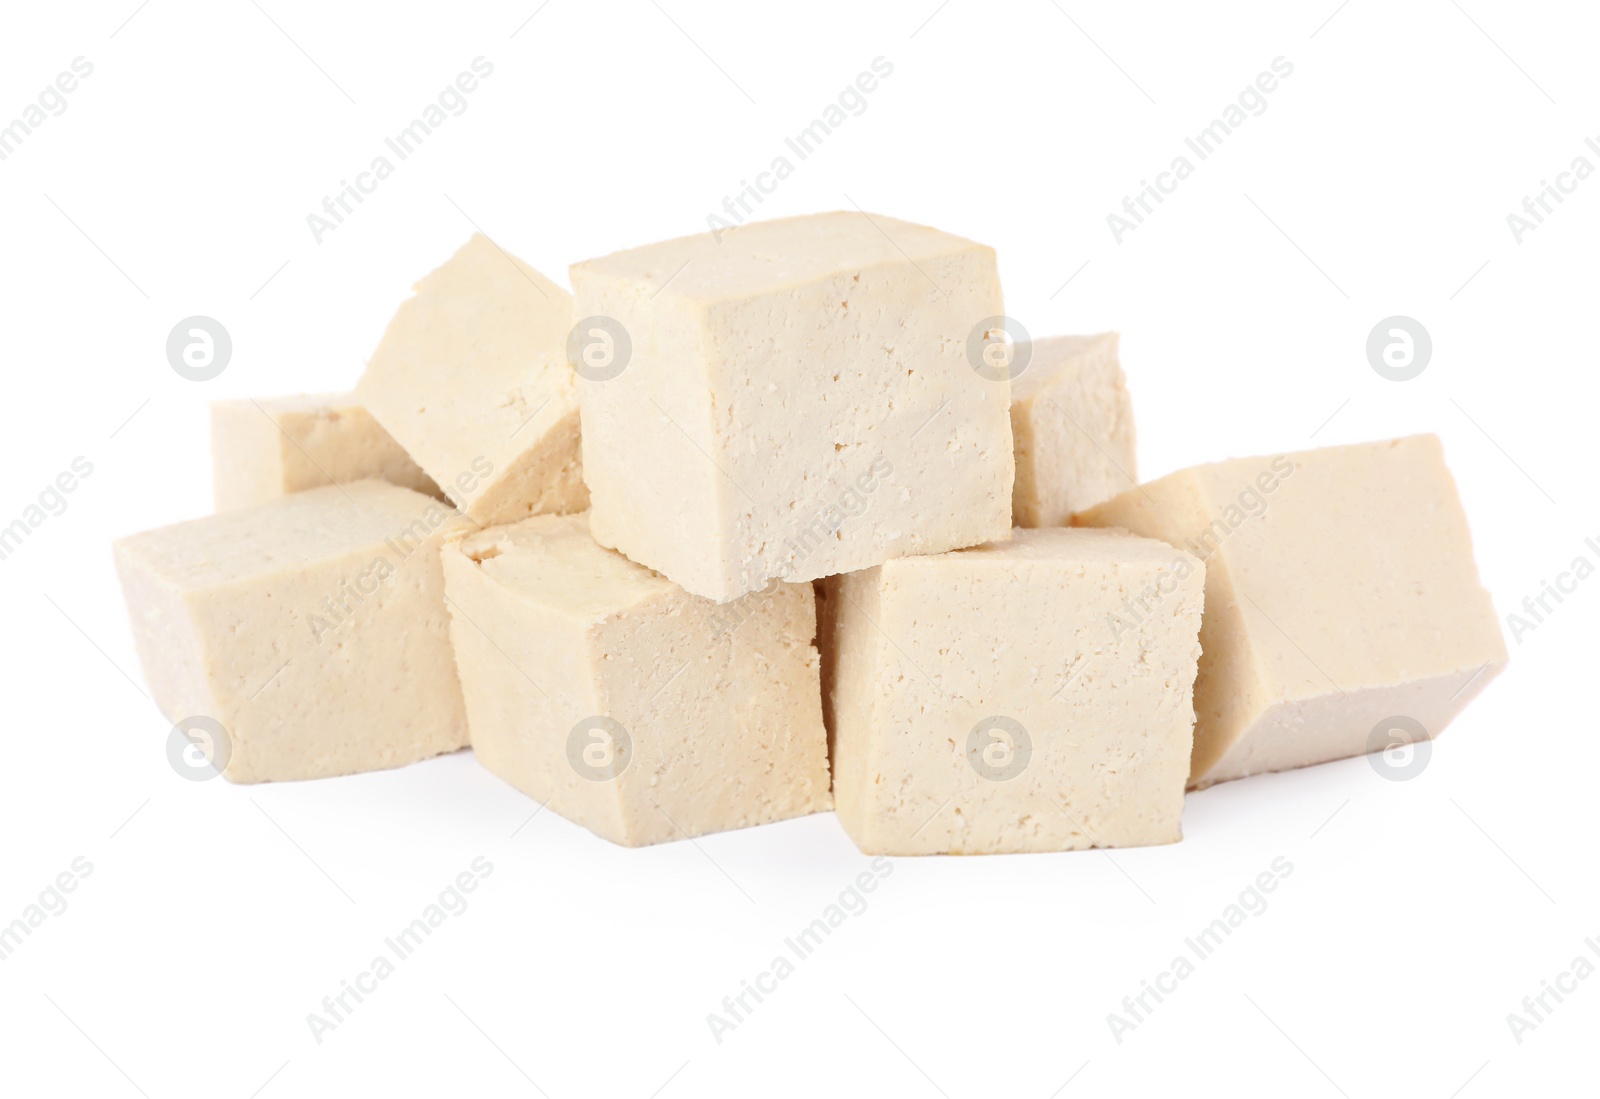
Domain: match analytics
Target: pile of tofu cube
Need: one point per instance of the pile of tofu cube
(769, 522)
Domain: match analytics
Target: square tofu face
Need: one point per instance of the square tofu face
(267, 448)
(1072, 421)
(627, 705)
(999, 699)
(799, 399)
(301, 638)
(1343, 609)
(471, 377)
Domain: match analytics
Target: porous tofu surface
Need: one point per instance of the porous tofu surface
(1341, 592)
(800, 400)
(311, 628)
(999, 699)
(627, 705)
(472, 378)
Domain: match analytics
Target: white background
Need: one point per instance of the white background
(1377, 182)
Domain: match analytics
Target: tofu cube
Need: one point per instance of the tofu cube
(311, 628)
(1341, 593)
(472, 378)
(1072, 421)
(998, 699)
(627, 705)
(793, 399)
(266, 448)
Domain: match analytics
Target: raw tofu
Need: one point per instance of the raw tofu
(1340, 592)
(998, 699)
(267, 448)
(1072, 421)
(799, 401)
(627, 705)
(472, 378)
(312, 628)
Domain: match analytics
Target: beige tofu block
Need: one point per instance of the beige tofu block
(266, 448)
(624, 703)
(312, 628)
(1341, 593)
(1072, 421)
(991, 700)
(798, 400)
(472, 378)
